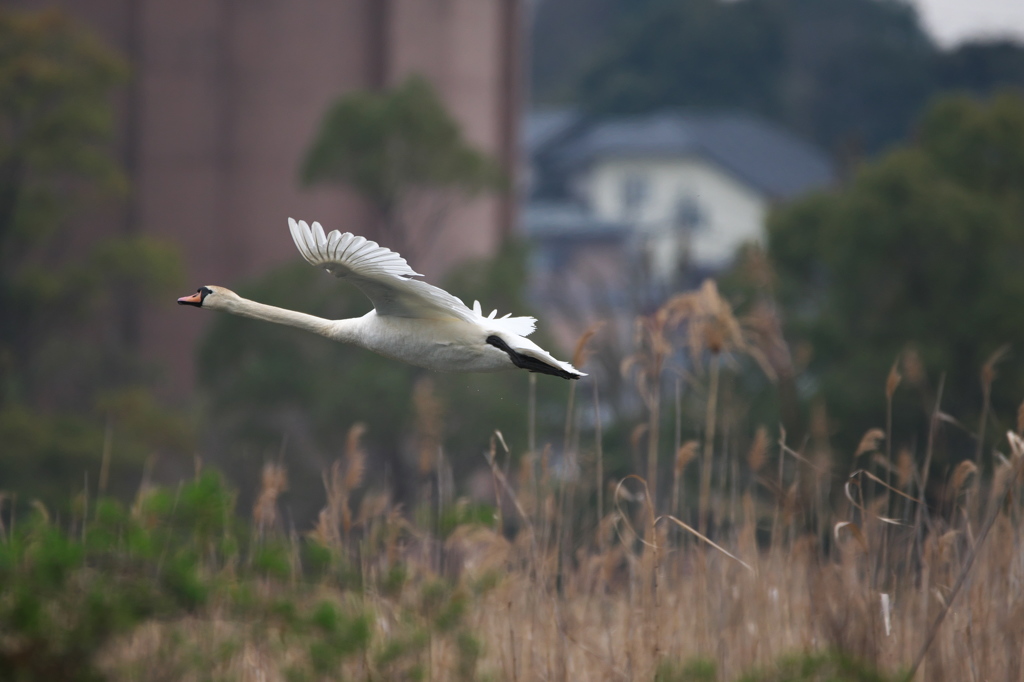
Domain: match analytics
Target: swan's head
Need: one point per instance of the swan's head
(207, 297)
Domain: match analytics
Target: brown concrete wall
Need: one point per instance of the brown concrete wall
(227, 97)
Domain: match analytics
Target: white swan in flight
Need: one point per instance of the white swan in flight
(412, 321)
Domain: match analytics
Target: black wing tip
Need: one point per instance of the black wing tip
(528, 363)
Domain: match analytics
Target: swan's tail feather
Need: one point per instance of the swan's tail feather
(520, 326)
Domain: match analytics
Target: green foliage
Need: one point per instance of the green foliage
(388, 146)
(342, 636)
(695, 670)
(979, 146)
(182, 581)
(922, 248)
(467, 514)
(273, 559)
(66, 595)
(205, 508)
(72, 595)
(811, 667)
(821, 667)
(316, 558)
(383, 144)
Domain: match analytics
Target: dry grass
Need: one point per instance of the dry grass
(622, 611)
(800, 557)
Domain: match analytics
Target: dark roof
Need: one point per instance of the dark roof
(541, 128)
(545, 220)
(756, 151)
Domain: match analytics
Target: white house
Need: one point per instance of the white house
(692, 186)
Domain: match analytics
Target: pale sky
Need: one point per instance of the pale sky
(952, 21)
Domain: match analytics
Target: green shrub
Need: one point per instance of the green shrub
(817, 667)
(695, 670)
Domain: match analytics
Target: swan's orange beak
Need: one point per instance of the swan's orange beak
(194, 299)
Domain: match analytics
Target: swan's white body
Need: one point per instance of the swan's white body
(412, 321)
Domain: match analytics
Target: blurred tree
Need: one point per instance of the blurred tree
(61, 368)
(692, 53)
(857, 74)
(981, 67)
(853, 75)
(404, 154)
(565, 37)
(922, 250)
(980, 146)
(842, 72)
(285, 393)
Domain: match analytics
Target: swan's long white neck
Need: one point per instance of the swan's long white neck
(345, 331)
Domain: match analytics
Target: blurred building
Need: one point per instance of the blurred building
(227, 95)
(622, 211)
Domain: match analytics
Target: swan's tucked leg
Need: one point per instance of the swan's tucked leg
(528, 363)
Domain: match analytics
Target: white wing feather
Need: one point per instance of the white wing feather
(385, 278)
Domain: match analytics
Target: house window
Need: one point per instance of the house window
(690, 216)
(635, 187)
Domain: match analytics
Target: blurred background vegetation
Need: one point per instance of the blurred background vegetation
(851, 75)
(912, 263)
(69, 374)
(385, 503)
(405, 155)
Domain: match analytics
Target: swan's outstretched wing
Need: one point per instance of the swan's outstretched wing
(386, 279)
